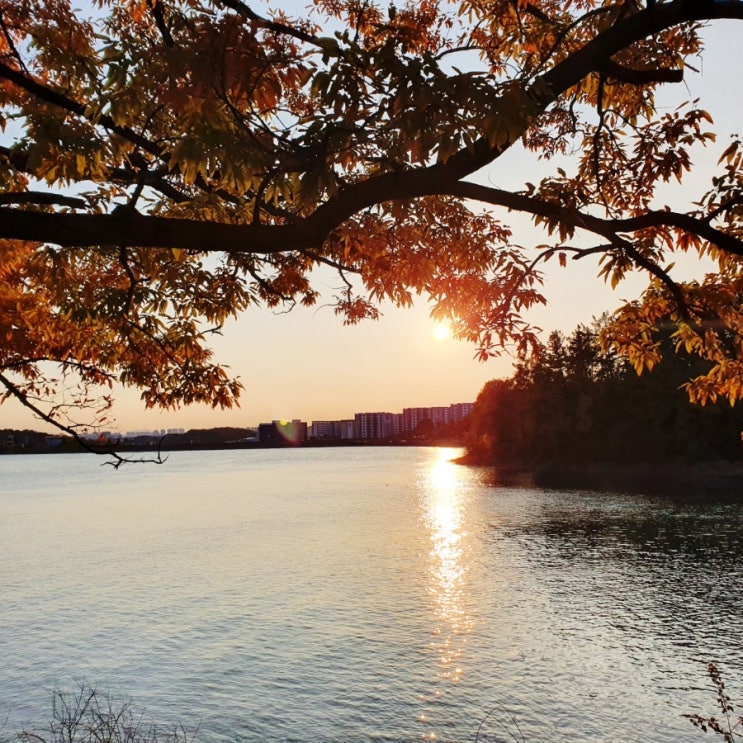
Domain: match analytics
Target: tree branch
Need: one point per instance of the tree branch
(631, 29)
(280, 28)
(125, 175)
(118, 460)
(132, 229)
(666, 280)
(82, 368)
(11, 45)
(78, 230)
(642, 77)
(531, 103)
(19, 160)
(41, 197)
(597, 225)
(440, 178)
(723, 208)
(156, 7)
(54, 98)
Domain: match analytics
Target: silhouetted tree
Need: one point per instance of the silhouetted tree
(577, 402)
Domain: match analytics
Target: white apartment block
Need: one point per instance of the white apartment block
(332, 429)
(376, 425)
(347, 428)
(439, 416)
(324, 429)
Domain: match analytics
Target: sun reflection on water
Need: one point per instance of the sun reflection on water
(444, 503)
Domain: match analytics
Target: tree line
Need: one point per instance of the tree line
(577, 402)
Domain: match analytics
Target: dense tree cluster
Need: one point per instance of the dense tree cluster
(574, 402)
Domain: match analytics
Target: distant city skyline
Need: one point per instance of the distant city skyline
(411, 415)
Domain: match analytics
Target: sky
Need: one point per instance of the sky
(305, 364)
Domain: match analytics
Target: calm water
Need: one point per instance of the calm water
(362, 595)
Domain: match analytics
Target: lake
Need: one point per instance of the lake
(362, 594)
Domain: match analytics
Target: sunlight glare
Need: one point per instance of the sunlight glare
(442, 330)
(448, 563)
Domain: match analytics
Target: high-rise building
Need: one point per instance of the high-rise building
(376, 425)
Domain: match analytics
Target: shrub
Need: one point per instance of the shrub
(87, 716)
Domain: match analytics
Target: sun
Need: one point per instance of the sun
(442, 330)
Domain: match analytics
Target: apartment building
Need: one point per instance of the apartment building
(439, 416)
(343, 429)
(376, 425)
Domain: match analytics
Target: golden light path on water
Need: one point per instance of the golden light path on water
(444, 505)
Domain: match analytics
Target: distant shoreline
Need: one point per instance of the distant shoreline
(71, 447)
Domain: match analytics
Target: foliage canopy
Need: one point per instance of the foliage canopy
(167, 163)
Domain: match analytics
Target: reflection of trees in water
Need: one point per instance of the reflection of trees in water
(700, 527)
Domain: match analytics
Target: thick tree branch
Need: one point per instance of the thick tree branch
(530, 103)
(633, 28)
(81, 230)
(642, 77)
(41, 198)
(686, 222)
(440, 178)
(593, 57)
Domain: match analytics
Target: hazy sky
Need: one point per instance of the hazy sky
(306, 364)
